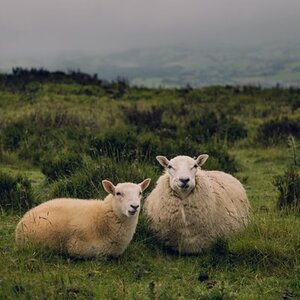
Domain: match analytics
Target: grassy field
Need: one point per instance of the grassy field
(48, 129)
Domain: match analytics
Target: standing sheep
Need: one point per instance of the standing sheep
(86, 228)
(190, 209)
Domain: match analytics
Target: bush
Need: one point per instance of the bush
(128, 146)
(210, 125)
(37, 137)
(86, 182)
(203, 127)
(296, 105)
(60, 117)
(151, 119)
(15, 192)
(276, 130)
(233, 131)
(12, 136)
(288, 186)
(117, 144)
(40, 144)
(62, 165)
(220, 159)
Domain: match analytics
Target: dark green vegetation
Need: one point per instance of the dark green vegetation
(61, 134)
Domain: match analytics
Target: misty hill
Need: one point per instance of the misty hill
(179, 66)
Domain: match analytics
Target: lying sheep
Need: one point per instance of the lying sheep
(85, 228)
(189, 208)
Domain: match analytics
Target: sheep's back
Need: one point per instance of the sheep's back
(232, 205)
(52, 223)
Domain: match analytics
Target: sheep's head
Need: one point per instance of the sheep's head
(182, 171)
(127, 196)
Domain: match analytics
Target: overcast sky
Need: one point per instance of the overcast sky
(36, 28)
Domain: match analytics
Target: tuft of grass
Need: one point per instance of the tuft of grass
(288, 186)
(16, 193)
(63, 165)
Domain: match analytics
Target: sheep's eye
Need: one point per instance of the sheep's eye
(169, 167)
(140, 193)
(118, 193)
(195, 166)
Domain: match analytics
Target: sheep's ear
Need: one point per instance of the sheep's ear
(145, 183)
(201, 159)
(163, 161)
(108, 186)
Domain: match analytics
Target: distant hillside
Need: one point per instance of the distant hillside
(180, 66)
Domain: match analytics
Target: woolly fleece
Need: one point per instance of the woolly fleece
(217, 207)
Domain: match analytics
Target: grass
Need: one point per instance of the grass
(35, 175)
(259, 167)
(262, 262)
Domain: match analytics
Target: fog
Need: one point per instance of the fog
(43, 30)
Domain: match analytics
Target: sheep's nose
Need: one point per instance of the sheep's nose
(184, 180)
(135, 206)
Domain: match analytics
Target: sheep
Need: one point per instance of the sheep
(190, 209)
(85, 228)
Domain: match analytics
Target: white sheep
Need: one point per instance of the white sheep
(85, 228)
(190, 208)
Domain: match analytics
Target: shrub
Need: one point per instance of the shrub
(40, 144)
(86, 182)
(288, 186)
(151, 119)
(60, 117)
(117, 144)
(12, 136)
(203, 127)
(220, 159)
(277, 130)
(211, 125)
(128, 146)
(233, 130)
(38, 136)
(296, 105)
(15, 192)
(62, 165)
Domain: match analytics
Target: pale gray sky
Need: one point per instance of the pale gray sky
(46, 28)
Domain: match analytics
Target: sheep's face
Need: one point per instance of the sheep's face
(127, 196)
(182, 172)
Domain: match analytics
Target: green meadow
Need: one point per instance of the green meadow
(61, 134)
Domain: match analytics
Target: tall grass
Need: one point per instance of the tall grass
(288, 184)
(16, 193)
